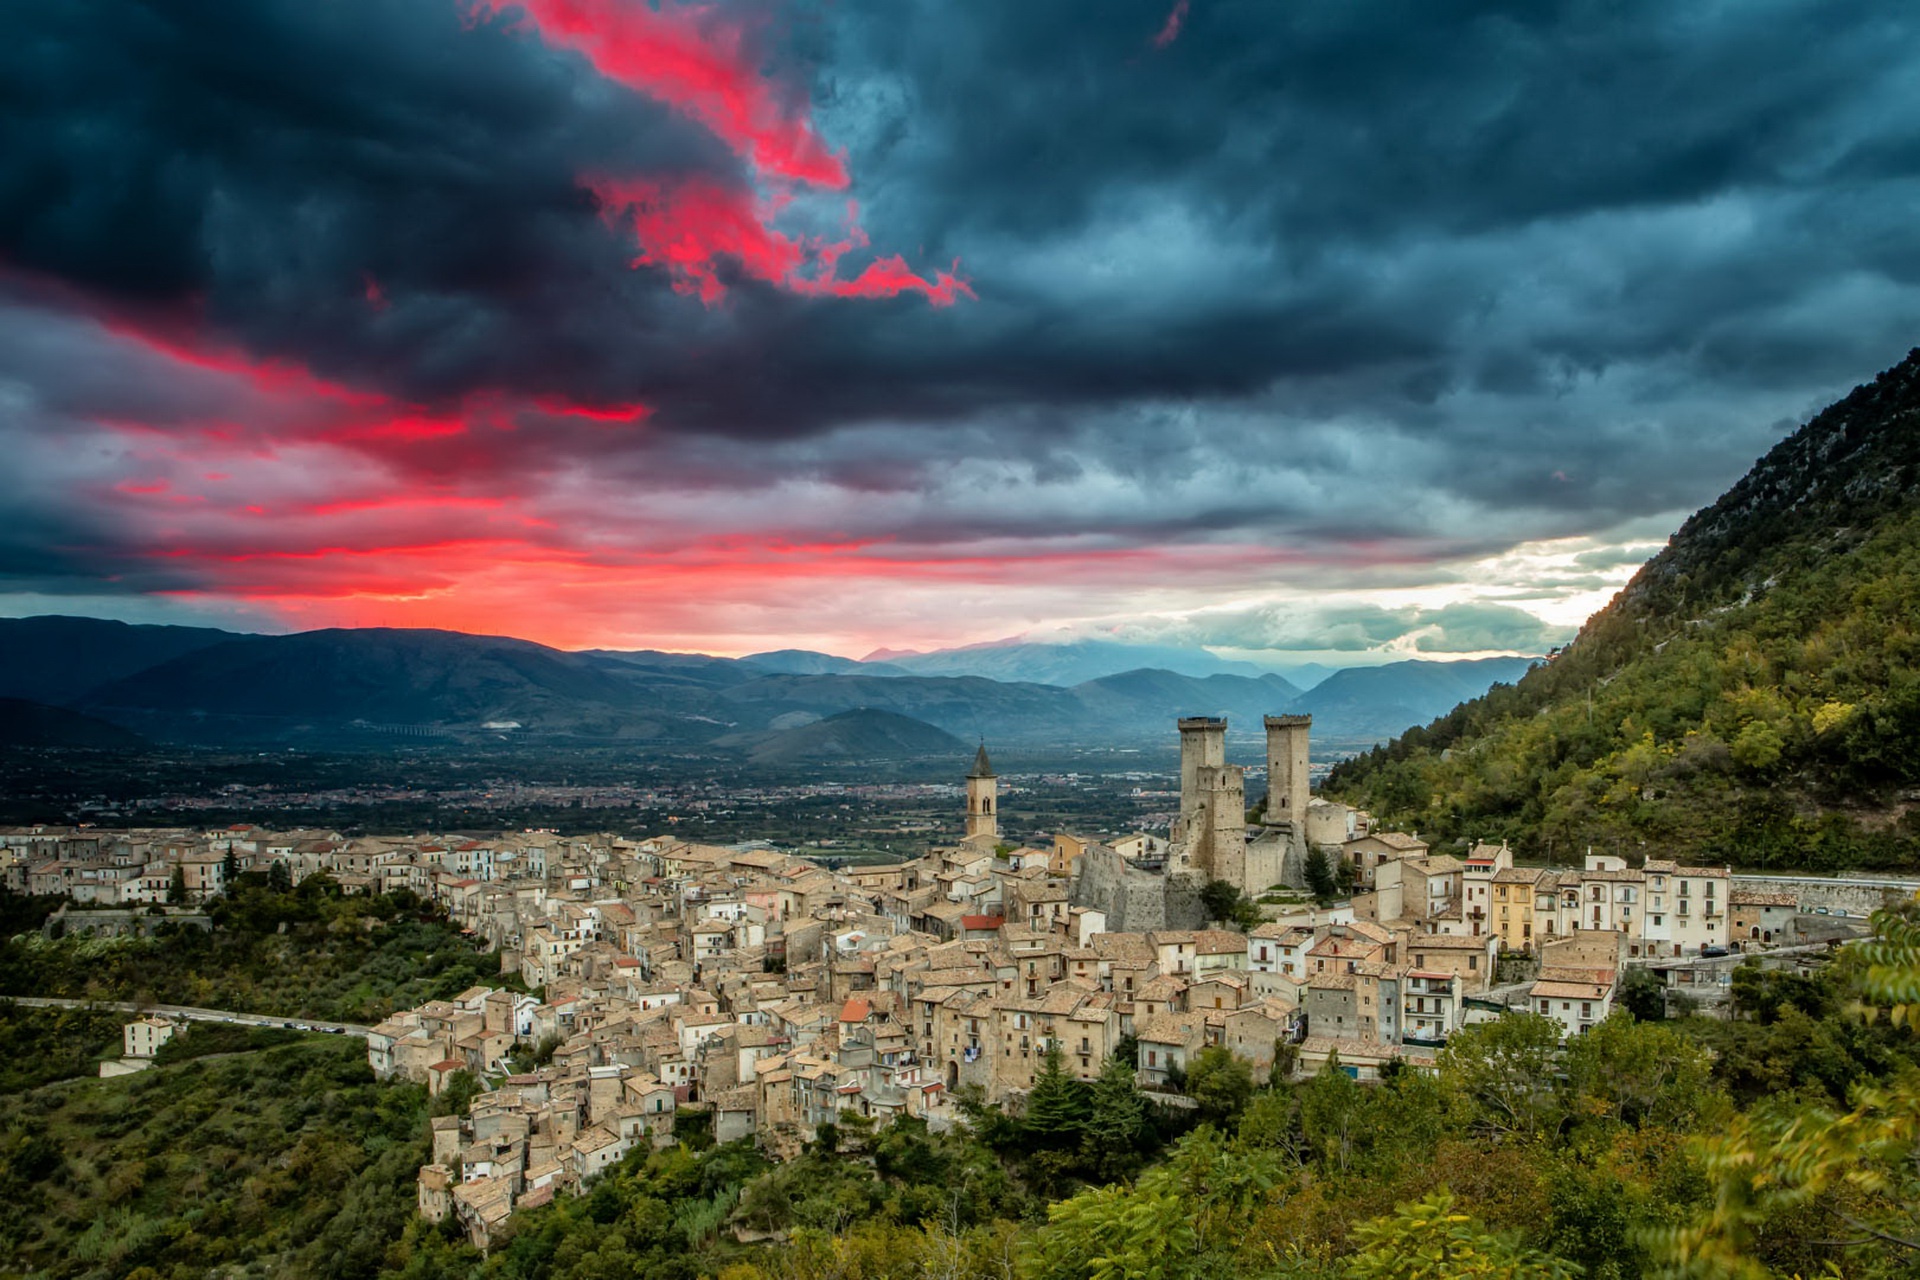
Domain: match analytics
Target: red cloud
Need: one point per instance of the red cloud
(1171, 31)
(690, 226)
(696, 59)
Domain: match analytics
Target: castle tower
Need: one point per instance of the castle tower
(1288, 786)
(1203, 744)
(1217, 824)
(983, 798)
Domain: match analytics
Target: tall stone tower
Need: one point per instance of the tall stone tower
(1288, 786)
(1217, 831)
(1212, 829)
(1203, 743)
(983, 798)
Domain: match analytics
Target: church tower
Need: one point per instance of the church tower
(983, 798)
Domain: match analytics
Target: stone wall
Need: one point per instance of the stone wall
(1275, 857)
(109, 923)
(1856, 895)
(1136, 901)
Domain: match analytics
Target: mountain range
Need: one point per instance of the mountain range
(340, 687)
(1752, 695)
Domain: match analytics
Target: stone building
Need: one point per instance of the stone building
(983, 799)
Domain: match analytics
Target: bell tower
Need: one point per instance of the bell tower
(983, 798)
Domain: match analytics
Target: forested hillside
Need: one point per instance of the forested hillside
(1750, 697)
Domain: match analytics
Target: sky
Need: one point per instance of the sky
(1299, 331)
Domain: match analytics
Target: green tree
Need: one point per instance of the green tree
(1286, 1056)
(1229, 905)
(1505, 1070)
(1116, 1128)
(1144, 1232)
(1056, 1113)
(279, 879)
(177, 887)
(1220, 1083)
(1637, 1073)
(1218, 897)
(1321, 881)
(1431, 1240)
(1642, 994)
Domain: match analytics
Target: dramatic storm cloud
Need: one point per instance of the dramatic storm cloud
(1355, 329)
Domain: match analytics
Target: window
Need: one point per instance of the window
(1153, 1057)
(1586, 1008)
(1473, 964)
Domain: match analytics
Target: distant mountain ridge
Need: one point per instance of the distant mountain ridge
(53, 657)
(1752, 695)
(860, 734)
(346, 687)
(34, 724)
(1382, 701)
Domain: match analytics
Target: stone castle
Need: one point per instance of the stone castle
(1213, 837)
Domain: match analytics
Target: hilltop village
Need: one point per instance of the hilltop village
(774, 995)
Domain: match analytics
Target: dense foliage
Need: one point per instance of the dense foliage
(41, 1045)
(1752, 697)
(308, 952)
(286, 1162)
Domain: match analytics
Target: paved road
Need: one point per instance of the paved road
(192, 1015)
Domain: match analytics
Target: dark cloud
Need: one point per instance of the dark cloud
(1431, 279)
